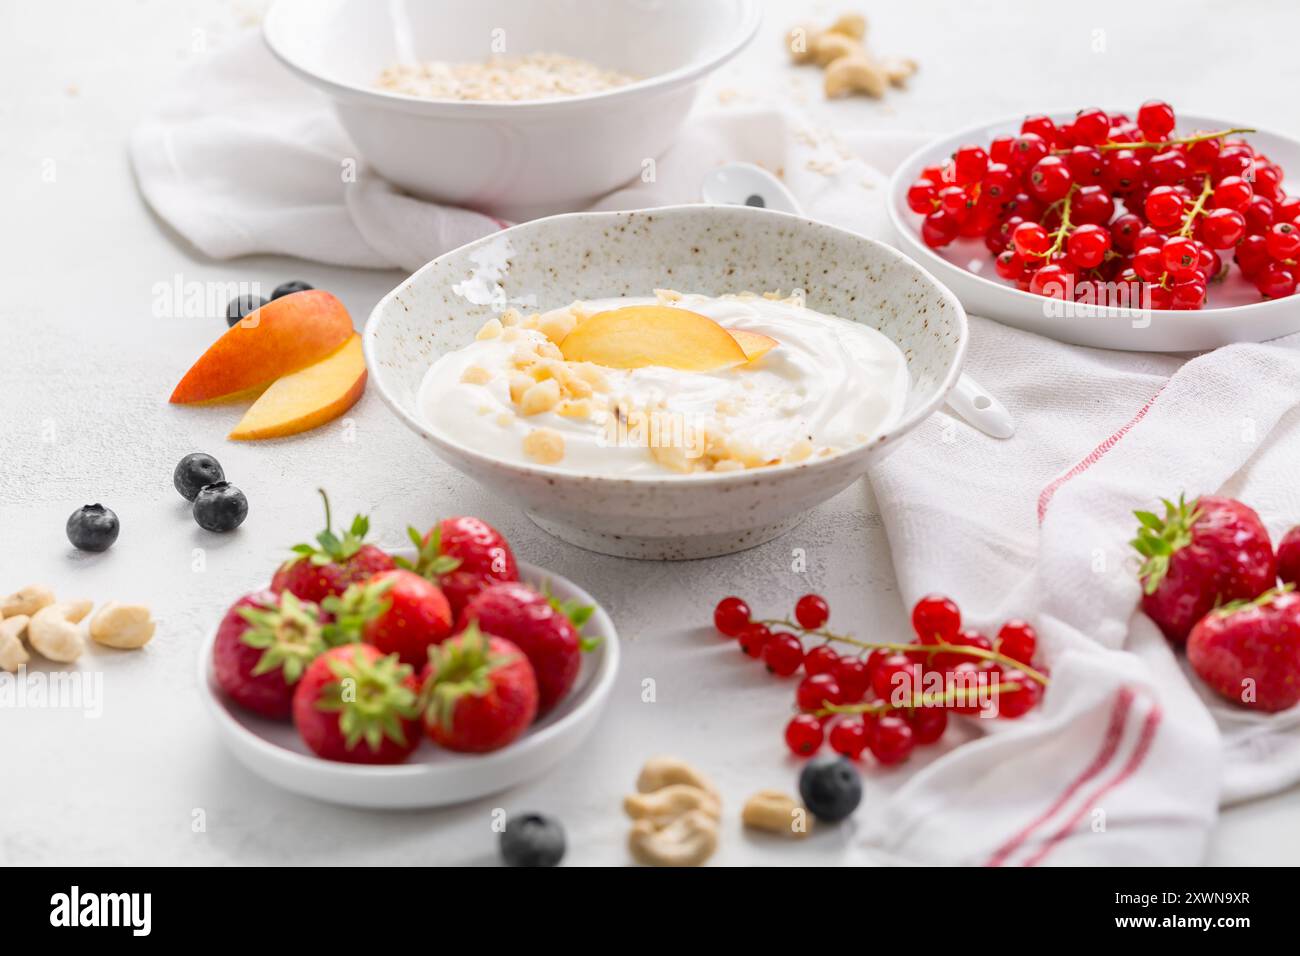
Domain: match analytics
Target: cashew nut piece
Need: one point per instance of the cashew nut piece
(667, 803)
(776, 812)
(851, 74)
(829, 47)
(687, 841)
(897, 69)
(852, 25)
(26, 601)
(54, 633)
(807, 44)
(12, 653)
(799, 41)
(660, 772)
(124, 626)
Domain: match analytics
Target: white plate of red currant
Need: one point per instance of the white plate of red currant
(1145, 230)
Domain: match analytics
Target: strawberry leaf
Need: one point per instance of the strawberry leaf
(1149, 519)
(356, 607)
(329, 547)
(289, 635)
(577, 613)
(430, 563)
(369, 696)
(461, 666)
(1160, 538)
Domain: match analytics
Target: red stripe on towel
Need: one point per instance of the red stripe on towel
(1135, 760)
(1109, 746)
(1045, 497)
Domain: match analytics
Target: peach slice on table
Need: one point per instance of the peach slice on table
(754, 344)
(639, 335)
(309, 397)
(283, 336)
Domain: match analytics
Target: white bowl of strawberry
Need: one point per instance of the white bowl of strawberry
(1149, 231)
(428, 676)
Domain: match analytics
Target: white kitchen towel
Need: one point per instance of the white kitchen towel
(1130, 753)
(1128, 758)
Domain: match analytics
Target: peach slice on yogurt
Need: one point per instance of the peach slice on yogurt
(636, 336)
(754, 344)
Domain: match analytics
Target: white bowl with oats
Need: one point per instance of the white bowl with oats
(668, 383)
(518, 109)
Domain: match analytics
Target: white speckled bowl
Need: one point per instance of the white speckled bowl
(706, 249)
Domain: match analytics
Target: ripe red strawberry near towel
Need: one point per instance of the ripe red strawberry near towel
(1199, 556)
(1250, 651)
(1288, 557)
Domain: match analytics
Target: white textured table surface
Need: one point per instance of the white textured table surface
(88, 366)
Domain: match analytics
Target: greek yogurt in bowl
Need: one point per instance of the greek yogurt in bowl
(822, 385)
(426, 339)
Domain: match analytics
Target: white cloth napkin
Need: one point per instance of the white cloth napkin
(1129, 757)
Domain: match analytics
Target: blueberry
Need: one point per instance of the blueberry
(242, 305)
(531, 839)
(93, 528)
(194, 471)
(290, 287)
(830, 787)
(220, 506)
(756, 200)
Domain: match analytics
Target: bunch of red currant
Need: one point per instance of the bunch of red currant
(1107, 211)
(875, 697)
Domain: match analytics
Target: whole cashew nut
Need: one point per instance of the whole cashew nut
(26, 601)
(54, 633)
(660, 772)
(851, 74)
(665, 804)
(124, 626)
(12, 653)
(687, 841)
(776, 812)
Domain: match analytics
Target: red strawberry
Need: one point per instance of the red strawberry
(462, 556)
(479, 692)
(333, 563)
(1250, 651)
(263, 645)
(1288, 557)
(1200, 556)
(546, 631)
(358, 706)
(397, 611)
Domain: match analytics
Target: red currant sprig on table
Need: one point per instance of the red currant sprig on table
(1106, 210)
(852, 699)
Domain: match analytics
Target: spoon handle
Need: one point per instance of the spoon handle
(978, 408)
